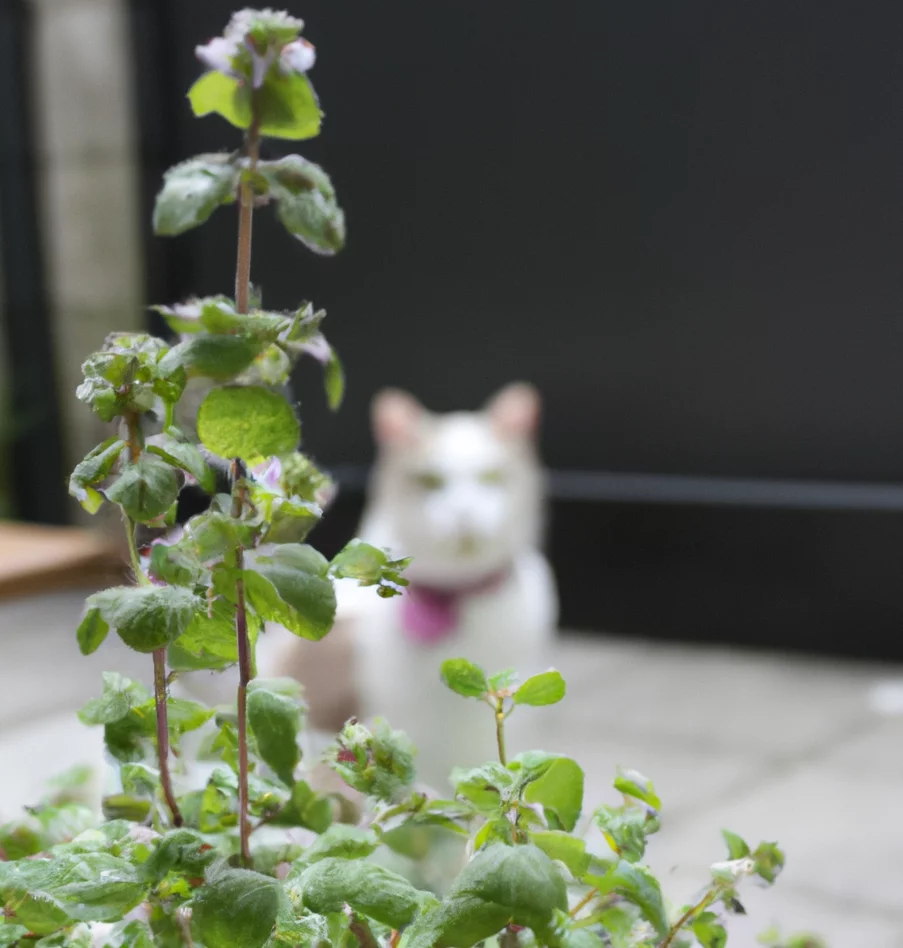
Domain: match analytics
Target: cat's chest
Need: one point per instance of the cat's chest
(496, 627)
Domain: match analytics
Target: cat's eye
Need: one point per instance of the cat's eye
(492, 477)
(428, 480)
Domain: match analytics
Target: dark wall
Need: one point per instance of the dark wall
(683, 221)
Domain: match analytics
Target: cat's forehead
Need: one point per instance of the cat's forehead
(460, 442)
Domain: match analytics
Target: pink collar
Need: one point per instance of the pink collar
(430, 614)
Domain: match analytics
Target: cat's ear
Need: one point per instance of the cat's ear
(396, 417)
(515, 410)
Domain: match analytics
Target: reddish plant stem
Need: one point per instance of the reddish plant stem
(133, 421)
(245, 674)
(163, 734)
(245, 671)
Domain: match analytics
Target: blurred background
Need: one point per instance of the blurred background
(681, 221)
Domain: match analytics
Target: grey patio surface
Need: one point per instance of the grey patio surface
(773, 747)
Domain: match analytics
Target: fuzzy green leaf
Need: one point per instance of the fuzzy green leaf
(331, 883)
(145, 489)
(275, 721)
(91, 632)
(370, 566)
(565, 848)
(188, 458)
(119, 696)
(236, 909)
(192, 191)
(248, 422)
(341, 841)
(625, 830)
(288, 106)
(547, 688)
(292, 587)
(737, 847)
(307, 205)
(464, 678)
(709, 932)
(146, 617)
(633, 784)
(95, 468)
(501, 885)
(637, 884)
(554, 782)
(218, 357)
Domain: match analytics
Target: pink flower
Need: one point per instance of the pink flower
(269, 474)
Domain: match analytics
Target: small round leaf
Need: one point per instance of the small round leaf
(464, 678)
(547, 688)
(248, 423)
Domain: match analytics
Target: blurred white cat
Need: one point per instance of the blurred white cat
(463, 495)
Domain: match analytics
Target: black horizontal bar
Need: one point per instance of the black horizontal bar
(603, 486)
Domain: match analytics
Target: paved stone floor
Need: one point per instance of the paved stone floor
(770, 746)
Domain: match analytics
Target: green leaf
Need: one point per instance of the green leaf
(47, 894)
(146, 617)
(217, 93)
(637, 884)
(633, 784)
(292, 587)
(275, 721)
(370, 567)
(769, 861)
(625, 830)
(501, 885)
(218, 357)
(188, 458)
(92, 470)
(10, 933)
(547, 688)
(378, 763)
(737, 847)
(192, 191)
(145, 489)
(464, 678)
(119, 696)
(709, 931)
(342, 841)
(486, 787)
(329, 884)
(288, 105)
(249, 423)
(236, 909)
(307, 205)
(565, 848)
(91, 632)
(334, 379)
(554, 782)
(306, 809)
(181, 850)
(208, 642)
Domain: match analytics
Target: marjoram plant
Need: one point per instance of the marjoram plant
(257, 856)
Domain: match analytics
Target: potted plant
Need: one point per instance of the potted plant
(212, 865)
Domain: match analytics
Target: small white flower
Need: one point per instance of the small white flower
(218, 55)
(299, 56)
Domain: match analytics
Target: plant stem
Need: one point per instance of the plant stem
(245, 674)
(575, 911)
(500, 730)
(163, 734)
(361, 931)
(692, 911)
(246, 218)
(133, 421)
(509, 939)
